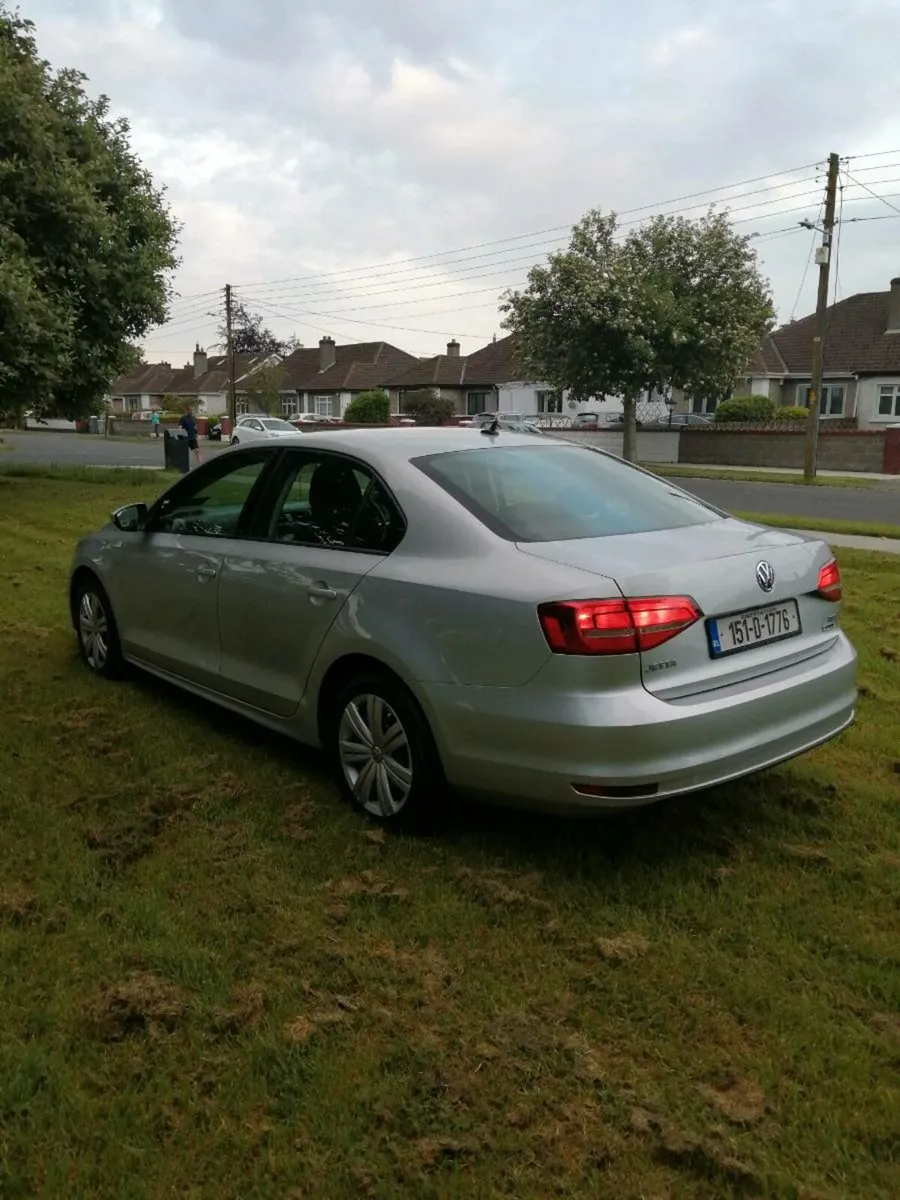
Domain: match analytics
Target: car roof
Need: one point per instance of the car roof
(399, 445)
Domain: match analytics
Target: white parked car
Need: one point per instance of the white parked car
(254, 429)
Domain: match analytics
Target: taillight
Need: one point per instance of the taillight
(615, 626)
(829, 585)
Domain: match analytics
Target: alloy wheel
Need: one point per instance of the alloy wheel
(93, 629)
(375, 755)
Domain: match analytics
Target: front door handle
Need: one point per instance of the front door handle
(321, 591)
(207, 572)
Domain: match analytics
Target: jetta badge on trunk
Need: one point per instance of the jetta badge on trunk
(765, 576)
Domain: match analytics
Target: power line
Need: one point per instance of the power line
(837, 240)
(808, 263)
(291, 314)
(875, 195)
(539, 233)
(872, 154)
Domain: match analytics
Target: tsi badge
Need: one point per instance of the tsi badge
(765, 576)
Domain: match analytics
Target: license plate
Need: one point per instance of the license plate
(755, 627)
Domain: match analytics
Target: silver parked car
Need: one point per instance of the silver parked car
(501, 613)
(254, 429)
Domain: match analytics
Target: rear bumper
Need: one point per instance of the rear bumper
(534, 745)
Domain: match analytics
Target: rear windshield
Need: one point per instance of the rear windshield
(559, 493)
(277, 424)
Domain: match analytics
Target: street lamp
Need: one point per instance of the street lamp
(670, 405)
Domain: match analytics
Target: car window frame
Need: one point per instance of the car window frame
(199, 478)
(283, 471)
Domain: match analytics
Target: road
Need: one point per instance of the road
(846, 504)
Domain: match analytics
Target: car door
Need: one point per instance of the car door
(325, 523)
(249, 430)
(167, 578)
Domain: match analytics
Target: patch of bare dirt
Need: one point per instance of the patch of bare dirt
(376, 837)
(505, 889)
(813, 855)
(248, 1004)
(741, 1100)
(304, 1027)
(368, 885)
(296, 823)
(890, 654)
(626, 947)
(16, 904)
(143, 1002)
(697, 1156)
(887, 1023)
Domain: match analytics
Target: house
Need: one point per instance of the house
(861, 361)
(490, 380)
(324, 379)
(205, 382)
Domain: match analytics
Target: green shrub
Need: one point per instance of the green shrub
(369, 408)
(792, 416)
(426, 408)
(745, 408)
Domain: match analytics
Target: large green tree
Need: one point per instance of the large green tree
(87, 243)
(675, 304)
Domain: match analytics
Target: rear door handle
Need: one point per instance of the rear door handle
(207, 572)
(321, 591)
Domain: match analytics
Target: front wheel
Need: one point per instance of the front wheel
(235, 442)
(385, 756)
(95, 625)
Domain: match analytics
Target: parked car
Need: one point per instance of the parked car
(254, 429)
(587, 420)
(624, 641)
(679, 421)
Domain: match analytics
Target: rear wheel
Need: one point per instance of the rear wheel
(98, 637)
(384, 754)
(235, 442)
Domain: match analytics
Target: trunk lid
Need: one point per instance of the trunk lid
(715, 564)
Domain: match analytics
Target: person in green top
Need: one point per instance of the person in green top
(154, 422)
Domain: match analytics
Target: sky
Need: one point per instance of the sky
(383, 170)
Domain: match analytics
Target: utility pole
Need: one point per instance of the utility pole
(823, 257)
(232, 397)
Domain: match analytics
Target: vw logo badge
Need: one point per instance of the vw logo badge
(765, 576)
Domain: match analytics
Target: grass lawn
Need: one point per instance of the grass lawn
(220, 982)
(688, 471)
(822, 524)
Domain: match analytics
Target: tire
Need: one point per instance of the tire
(395, 776)
(95, 627)
(235, 442)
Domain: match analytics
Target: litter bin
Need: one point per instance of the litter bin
(175, 451)
(94, 424)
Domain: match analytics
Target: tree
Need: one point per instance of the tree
(262, 388)
(369, 408)
(87, 244)
(251, 337)
(677, 304)
(426, 408)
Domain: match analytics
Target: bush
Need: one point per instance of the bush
(426, 408)
(793, 416)
(746, 408)
(369, 408)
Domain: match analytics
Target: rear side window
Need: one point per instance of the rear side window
(560, 493)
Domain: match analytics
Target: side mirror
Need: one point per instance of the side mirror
(130, 519)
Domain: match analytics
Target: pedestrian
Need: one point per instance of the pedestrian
(189, 424)
(154, 422)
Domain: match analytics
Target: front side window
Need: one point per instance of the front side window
(889, 400)
(327, 500)
(213, 502)
(548, 493)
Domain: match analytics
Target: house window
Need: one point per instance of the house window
(323, 406)
(132, 404)
(290, 403)
(549, 402)
(831, 401)
(242, 407)
(889, 400)
(476, 402)
(704, 406)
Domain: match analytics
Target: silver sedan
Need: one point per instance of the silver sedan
(446, 610)
(254, 429)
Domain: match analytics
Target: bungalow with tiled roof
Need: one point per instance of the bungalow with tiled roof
(324, 379)
(205, 381)
(861, 361)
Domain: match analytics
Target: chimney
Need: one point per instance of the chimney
(893, 322)
(453, 349)
(200, 363)
(327, 353)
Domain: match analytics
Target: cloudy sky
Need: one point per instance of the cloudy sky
(383, 169)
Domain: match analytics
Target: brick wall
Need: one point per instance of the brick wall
(839, 449)
(657, 446)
